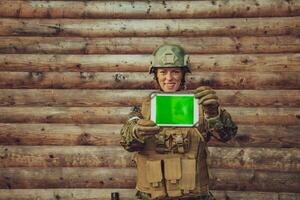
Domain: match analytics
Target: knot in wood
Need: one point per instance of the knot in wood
(119, 77)
(84, 139)
(87, 75)
(242, 139)
(36, 75)
(55, 29)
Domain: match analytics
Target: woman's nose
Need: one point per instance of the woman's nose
(169, 76)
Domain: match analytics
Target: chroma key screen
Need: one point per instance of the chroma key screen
(173, 109)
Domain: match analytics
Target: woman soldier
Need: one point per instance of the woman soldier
(172, 161)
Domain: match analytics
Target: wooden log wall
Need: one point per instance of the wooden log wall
(70, 70)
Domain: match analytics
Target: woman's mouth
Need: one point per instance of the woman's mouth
(170, 85)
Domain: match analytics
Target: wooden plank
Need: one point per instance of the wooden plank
(269, 159)
(151, 27)
(128, 194)
(254, 180)
(108, 134)
(115, 115)
(149, 9)
(244, 195)
(103, 98)
(137, 45)
(81, 177)
(80, 97)
(67, 194)
(229, 179)
(65, 156)
(265, 116)
(60, 134)
(142, 80)
(140, 63)
(95, 115)
(265, 136)
(88, 63)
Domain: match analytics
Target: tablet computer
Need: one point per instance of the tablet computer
(174, 109)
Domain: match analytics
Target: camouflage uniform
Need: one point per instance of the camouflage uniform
(172, 164)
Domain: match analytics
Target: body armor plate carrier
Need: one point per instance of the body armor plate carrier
(172, 163)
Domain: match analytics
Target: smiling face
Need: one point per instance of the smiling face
(169, 78)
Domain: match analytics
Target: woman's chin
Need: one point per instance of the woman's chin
(170, 89)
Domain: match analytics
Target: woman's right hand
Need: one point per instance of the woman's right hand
(145, 128)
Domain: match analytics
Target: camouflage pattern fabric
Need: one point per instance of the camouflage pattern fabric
(220, 127)
(129, 140)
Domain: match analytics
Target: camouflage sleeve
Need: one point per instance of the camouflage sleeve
(221, 127)
(129, 139)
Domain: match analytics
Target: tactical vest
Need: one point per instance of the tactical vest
(173, 162)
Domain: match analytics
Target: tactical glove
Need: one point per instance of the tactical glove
(208, 98)
(145, 128)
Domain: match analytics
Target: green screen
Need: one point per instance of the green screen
(174, 109)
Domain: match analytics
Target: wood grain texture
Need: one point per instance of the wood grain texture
(265, 136)
(60, 134)
(115, 115)
(140, 63)
(138, 45)
(104, 98)
(151, 27)
(81, 177)
(70, 194)
(108, 134)
(142, 80)
(244, 195)
(64, 156)
(269, 159)
(149, 9)
(128, 194)
(95, 115)
(229, 179)
(254, 180)
(70, 71)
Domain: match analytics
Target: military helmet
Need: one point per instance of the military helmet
(168, 55)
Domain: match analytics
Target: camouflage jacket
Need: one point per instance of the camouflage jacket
(221, 127)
